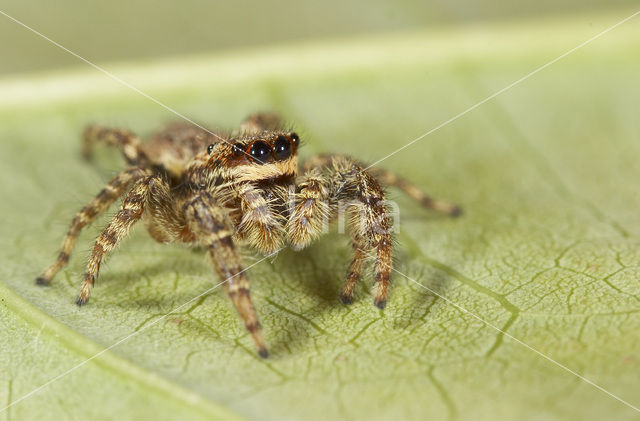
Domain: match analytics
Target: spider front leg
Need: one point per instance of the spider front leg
(132, 209)
(114, 189)
(214, 231)
(341, 184)
(370, 228)
(128, 143)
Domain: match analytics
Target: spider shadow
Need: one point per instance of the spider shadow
(316, 273)
(423, 299)
(185, 264)
(328, 264)
(320, 280)
(323, 275)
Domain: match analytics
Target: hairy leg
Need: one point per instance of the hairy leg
(128, 143)
(342, 185)
(369, 225)
(213, 230)
(133, 207)
(353, 275)
(389, 178)
(114, 189)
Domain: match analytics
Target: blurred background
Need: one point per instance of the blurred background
(134, 30)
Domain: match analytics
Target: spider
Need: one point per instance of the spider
(220, 190)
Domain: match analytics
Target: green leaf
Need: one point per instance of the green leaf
(546, 251)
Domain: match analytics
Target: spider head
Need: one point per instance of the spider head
(267, 155)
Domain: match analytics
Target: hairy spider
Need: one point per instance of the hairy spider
(219, 190)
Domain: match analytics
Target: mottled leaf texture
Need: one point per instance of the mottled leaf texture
(547, 249)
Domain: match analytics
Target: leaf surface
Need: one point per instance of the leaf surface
(546, 251)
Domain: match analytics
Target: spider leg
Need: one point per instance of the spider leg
(353, 275)
(389, 178)
(114, 189)
(370, 228)
(214, 231)
(133, 207)
(128, 143)
(342, 184)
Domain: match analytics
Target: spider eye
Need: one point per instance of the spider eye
(210, 149)
(282, 148)
(237, 149)
(296, 139)
(260, 151)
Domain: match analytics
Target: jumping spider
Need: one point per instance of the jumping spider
(218, 190)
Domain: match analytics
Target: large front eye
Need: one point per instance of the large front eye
(260, 151)
(282, 148)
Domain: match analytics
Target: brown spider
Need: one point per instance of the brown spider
(218, 190)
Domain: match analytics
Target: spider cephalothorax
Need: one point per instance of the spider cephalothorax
(195, 186)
